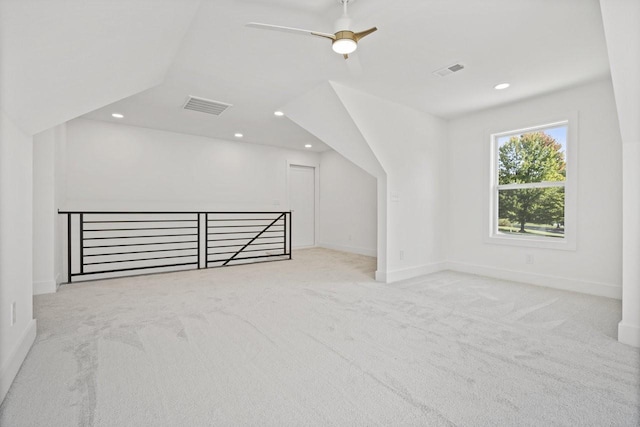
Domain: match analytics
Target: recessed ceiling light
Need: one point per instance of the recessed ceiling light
(278, 113)
(117, 115)
(308, 146)
(238, 135)
(501, 86)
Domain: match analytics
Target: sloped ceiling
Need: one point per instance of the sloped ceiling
(71, 57)
(64, 58)
(623, 38)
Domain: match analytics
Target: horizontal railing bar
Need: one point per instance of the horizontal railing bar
(280, 226)
(139, 259)
(132, 269)
(257, 257)
(248, 263)
(239, 219)
(248, 257)
(216, 233)
(221, 222)
(142, 229)
(277, 242)
(138, 252)
(253, 250)
(240, 226)
(142, 244)
(141, 220)
(241, 238)
(170, 212)
(245, 232)
(138, 237)
(230, 239)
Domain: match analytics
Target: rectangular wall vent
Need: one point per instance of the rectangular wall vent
(205, 105)
(448, 70)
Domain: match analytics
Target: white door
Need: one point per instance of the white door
(302, 202)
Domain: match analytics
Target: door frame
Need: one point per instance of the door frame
(316, 190)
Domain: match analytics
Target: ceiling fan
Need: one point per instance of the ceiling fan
(344, 41)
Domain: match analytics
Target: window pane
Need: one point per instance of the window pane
(531, 212)
(532, 157)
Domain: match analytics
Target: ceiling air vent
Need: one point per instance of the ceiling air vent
(205, 105)
(448, 70)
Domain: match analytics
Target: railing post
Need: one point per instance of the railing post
(81, 243)
(199, 238)
(284, 238)
(206, 240)
(290, 233)
(68, 248)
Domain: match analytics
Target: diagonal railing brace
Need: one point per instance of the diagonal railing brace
(252, 240)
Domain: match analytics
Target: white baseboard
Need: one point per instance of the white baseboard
(629, 334)
(295, 248)
(350, 249)
(45, 287)
(12, 366)
(566, 284)
(408, 273)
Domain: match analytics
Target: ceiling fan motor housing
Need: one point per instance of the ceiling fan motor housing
(345, 42)
(342, 23)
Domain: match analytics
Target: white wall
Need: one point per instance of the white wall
(620, 19)
(348, 204)
(44, 216)
(60, 176)
(406, 150)
(312, 111)
(119, 167)
(48, 195)
(15, 250)
(411, 147)
(595, 266)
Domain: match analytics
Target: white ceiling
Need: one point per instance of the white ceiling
(538, 46)
(63, 58)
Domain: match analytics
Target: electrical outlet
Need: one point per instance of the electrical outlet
(13, 313)
(528, 258)
(401, 255)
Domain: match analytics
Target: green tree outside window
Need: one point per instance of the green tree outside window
(531, 158)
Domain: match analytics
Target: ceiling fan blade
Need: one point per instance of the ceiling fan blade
(364, 33)
(289, 30)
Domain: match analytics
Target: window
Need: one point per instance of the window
(532, 200)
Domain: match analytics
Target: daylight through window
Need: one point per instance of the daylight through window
(529, 183)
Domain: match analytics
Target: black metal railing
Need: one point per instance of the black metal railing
(113, 244)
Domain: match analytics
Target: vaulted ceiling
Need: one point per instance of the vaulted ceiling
(142, 58)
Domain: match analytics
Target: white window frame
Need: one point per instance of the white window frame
(568, 242)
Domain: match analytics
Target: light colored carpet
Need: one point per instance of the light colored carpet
(316, 341)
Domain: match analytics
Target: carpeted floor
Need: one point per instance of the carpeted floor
(316, 341)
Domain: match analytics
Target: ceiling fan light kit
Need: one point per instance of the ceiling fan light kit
(343, 41)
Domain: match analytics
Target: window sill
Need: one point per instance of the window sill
(565, 244)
